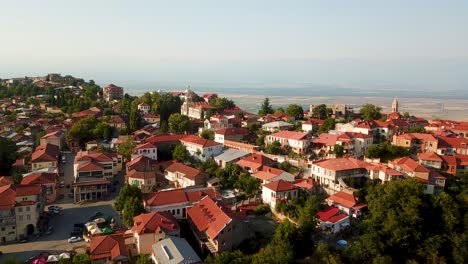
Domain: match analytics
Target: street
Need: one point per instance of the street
(63, 223)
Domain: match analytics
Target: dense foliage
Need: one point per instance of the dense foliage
(8, 155)
(180, 153)
(178, 123)
(295, 110)
(327, 125)
(386, 151)
(129, 203)
(321, 111)
(266, 108)
(87, 129)
(370, 112)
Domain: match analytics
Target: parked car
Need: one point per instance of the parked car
(54, 207)
(74, 239)
(24, 240)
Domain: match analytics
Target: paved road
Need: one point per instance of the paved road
(63, 225)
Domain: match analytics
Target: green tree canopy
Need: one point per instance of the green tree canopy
(328, 124)
(81, 259)
(370, 112)
(295, 110)
(208, 134)
(338, 150)
(321, 111)
(125, 149)
(222, 103)
(133, 206)
(8, 155)
(125, 194)
(266, 108)
(179, 123)
(248, 184)
(180, 153)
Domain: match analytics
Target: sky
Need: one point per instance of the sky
(360, 44)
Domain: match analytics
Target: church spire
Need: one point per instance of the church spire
(395, 106)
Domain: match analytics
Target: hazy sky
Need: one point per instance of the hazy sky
(359, 44)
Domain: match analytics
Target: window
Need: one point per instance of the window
(3, 229)
(20, 209)
(20, 218)
(28, 209)
(28, 217)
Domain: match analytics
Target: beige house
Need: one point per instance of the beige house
(145, 180)
(183, 176)
(56, 138)
(45, 156)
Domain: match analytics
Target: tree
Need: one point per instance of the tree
(370, 112)
(266, 108)
(128, 191)
(39, 135)
(227, 257)
(295, 110)
(11, 260)
(328, 124)
(133, 206)
(274, 148)
(143, 259)
(8, 155)
(248, 184)
(338, 150)
(81, 259)
(180, 153)
(135, 119)
(279, 110)
(125, 149)
(417, 130)
(321, 111)
(406, 115)
(17, 178)
(208, 134)
(324, 254)
(222, 103)
(179, 123)
(103, 130)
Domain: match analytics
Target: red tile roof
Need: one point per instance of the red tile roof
(45, 153)
(191, 139)
(280, 186)
(429, 156)
(293, 135)
(154, 222)
(343, 198)
(331, 214)
(90, 166)
(189, 172)
(6, 180)
(177, 196)
(26, 190)
(305, 183)
(233, 131)
(164, 138)
(409, 165)
(93, 156)
(313, 121)
(54, 134)
(452, 142)
(209, 217)
(326, 139)
(40, 178)
(341, 164)
(267, 173)
(110, 246)
(141, 174)
(7, 197)
(255, 161)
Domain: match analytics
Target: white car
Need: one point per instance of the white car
(74, 239)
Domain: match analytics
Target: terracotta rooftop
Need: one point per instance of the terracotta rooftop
(189, 172)
(267, 173)
(26, 190)
(255, 161)
(191, 139)
(164, 138)
(345, 199)
(232, 131)
(107, 247)
(209, 217)
(280, 186)
(409, 165)
(341, 164)
(429, 156)
(154, 222)
(45, 153)
(40, 178)
(290, 135)
(331, 214)
(7, 197)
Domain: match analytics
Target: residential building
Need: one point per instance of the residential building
(276, 126)
(150, 228)
(241, 146)
(174, 250)
(184, 176)
(298, 141)
(90, 189)
(200, 148)
(48, 182)
(96, 164)
(269, 174)
(117, 122)
(432, 181)
(452, 145)
(144, 108)
(230, 156)
(7, 214)
(112, 92)
(177, 201)
(152, 118)
(430, 159)
(232, 134)
(353, 143)
(216, 122)
(329, 173)
(308, 185)
(147, 181)
(278, 191)
(347, 203)
(311, 125)
(103, 249)
(332, 220)
(416, 141)
(378, 171)
(255, 162)
(146, 149)
(209, 96)
(215, 228)
(56, 138)
(45, 156)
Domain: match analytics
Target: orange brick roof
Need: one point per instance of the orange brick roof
(40, 178)
(189, 172)
(290, 135)
(429, 156)
(177, 196)
(280, 186)
(191, 139)
(209, 217)
(267, 173)
(44, 153)
(341, 164)
(409, 165)
(343, 198)
(154, 222)
(110, 246)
